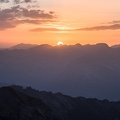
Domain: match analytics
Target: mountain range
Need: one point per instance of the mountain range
(91, 71)
(21, 103)
(22, 46)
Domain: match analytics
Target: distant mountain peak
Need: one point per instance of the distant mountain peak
(115, 46)
(22, 46)
(102, 44)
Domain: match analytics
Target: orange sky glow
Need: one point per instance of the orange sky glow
(50, 21)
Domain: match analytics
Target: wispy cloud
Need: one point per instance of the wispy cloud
(23, 1)
(57, 28)
(96, 28)
(115, 22)
(17, 1)
(4, 1)
(44, 29)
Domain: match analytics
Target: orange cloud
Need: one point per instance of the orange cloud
(44, 29)
(107, 27)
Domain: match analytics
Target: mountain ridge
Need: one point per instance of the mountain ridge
(89, 71)
(64, 107)
(22, 46)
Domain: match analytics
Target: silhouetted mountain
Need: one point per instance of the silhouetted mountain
(22, 46)
(116, 46)
(91, 71)
(15, 105)
(79, 108)
(4, 84)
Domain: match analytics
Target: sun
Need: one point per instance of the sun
(60, 43)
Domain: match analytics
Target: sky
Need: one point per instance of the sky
(51, 21)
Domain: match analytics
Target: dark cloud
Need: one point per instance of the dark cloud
(44, 29)
(112, 22)
(36, 14)
(96, 28)
(16, 15)
(31, 21)
(4, 1)
(24, 1)
(51, 12)
(19, 1)
(27, 1)
(16, 1)
(115, 22)
(33, 6)
(6, 25)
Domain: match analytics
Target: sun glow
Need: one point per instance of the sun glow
(60, 43)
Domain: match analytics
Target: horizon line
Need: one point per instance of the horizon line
(57, 45)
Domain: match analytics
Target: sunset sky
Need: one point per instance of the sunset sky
(50, 21)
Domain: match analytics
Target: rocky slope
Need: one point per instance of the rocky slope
(15, 105)
(80, 108)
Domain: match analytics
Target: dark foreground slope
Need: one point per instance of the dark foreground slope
(69, 108)
(15, 105)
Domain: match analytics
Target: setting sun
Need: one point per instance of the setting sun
(60, 43)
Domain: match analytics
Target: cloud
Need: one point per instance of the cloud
(4, 1)
(44, 29)
(115, 22)
(4, 25)
(96, 28)
(16, 15)
(29, 21)
(23, 1)
(16, 1)
(60, 29)
(27, 1)
(36, 14)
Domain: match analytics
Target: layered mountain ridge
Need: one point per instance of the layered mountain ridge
(91, 71)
